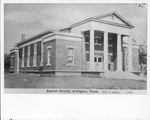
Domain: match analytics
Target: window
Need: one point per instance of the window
(97, 40)
(98, 43)
(110, 45)
(110, 49)
(70, 53)
(49, 49)
(110, 58)
(99, 59)
(87, 39)
(110, 62)
(12, 62)
(87, 56)
(95, 59)
(87, 43)
(87, 47)
(110, 42)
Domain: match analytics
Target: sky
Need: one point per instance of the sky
(30, 19)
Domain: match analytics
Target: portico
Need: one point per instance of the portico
(111, 54)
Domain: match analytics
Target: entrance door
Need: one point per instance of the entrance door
(98, 63)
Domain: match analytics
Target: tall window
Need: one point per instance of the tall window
(12, 62)
(98, 40)
(49, 49)
(87, 47)
(35, 55)
(110, 58)
(110, 45)
(22, 63)
(70, 51)
(98, 43)
(110, 62)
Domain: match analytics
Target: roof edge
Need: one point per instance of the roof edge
(114, 13)
(35, 36)
(102, 21)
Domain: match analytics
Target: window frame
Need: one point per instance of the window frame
(85, 39)
(108, 57)
(49, 51)
(110, 45)
(97, 59)
(73, 56)
(12, 61)
(87, 51)
(96, 43)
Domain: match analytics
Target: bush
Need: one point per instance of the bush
(6, 62)
(143, 57)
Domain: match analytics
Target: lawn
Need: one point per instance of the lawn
(36, 81)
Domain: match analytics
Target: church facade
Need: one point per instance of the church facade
(100, 45)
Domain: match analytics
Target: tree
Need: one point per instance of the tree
(6, 62)
(143, 57)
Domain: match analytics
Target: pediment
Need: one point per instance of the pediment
(114, 18)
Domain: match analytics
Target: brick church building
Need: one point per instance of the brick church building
(99, 45)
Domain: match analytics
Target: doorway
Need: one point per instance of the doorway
(98, 60)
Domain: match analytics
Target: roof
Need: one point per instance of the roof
(36, 36)
(99, 18)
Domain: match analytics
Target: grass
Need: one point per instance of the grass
(35, 81)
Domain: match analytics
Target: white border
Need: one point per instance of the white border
(74, 107)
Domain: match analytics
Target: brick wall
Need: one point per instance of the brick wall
(62, 55)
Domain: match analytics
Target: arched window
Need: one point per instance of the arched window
(49, 49)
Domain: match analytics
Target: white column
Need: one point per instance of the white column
(35, 55)
(92, 67)
(28, 60)
(22, 65)
(42, 53)
(119, 53)
(17, 61)
(106, 51)
(130, 54)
